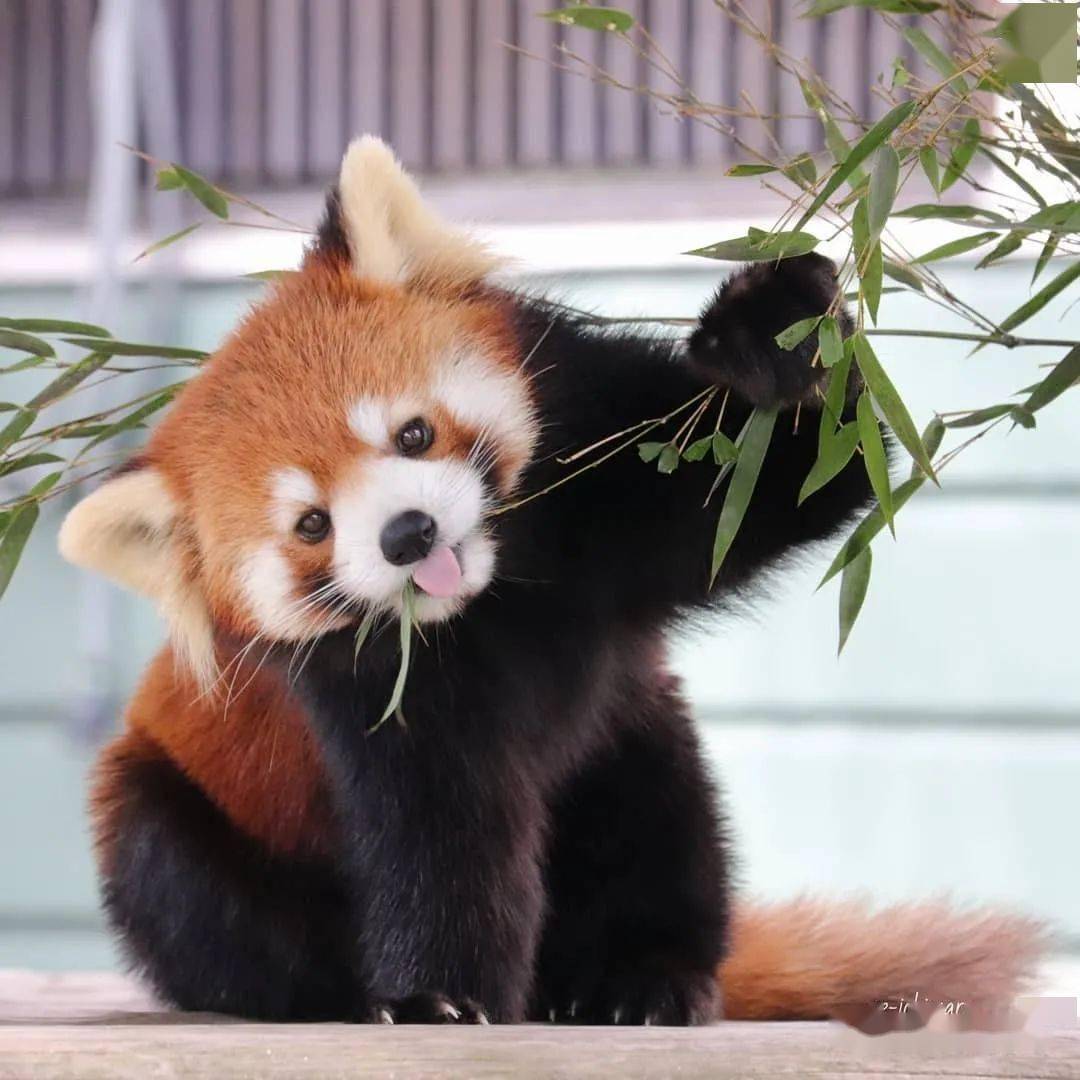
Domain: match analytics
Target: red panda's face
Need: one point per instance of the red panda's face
(354, 434)
(348, 438)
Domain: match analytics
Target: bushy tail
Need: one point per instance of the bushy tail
(809, 959)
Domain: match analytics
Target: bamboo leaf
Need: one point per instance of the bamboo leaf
(891, 404)
(668, 461)
(130, 348)
(874, 459)
(956, 247)
(896, 7)
(759, 247)
(133, 419)
(27, 462)
(979, 416)
(1028, 189)
(929, 51)
(788, 338)
(1022, 416)
(591, 18)
(55, 326)
(869, 527)
(650, 451)
(832, 409)
(932, 436)
(1063, 375)
(829, 342)
(882, 191)
(859, 153)
(853, 585)
(838, 145)
(1043, 297)
(698, 449)
(834, 452)
(724, 451)
(755, 443)
(749, 170)
(870, 281)
(17, 531)
(929, 162)
(157, 245)
(962, 153)
(168, 180)
(16, 427)
(904, 274)
(952, 212)
(22, 365)
(19, 339)
(67, 381)
(363, 632)
(408, 617)
(203, 190)
(1006, 246)
(1045, 255)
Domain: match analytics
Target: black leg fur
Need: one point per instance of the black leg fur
(213, 922)
(637, 879)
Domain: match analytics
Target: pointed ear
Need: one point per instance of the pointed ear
(130, 530)
(376, 219)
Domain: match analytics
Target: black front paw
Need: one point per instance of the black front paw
(677, 998)
(735, 341)
(424, 1008)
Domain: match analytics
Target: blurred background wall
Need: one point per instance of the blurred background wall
(941, 753)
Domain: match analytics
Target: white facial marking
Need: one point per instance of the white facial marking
(268, 586)
(294, 491)
(494, 402)
(370, 419)
(449, 490)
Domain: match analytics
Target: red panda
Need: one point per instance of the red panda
(538, 837)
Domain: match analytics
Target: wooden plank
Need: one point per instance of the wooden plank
(709, 27)
(283, 150)
(409, 71)
(244, 149)
(205, 26)
(492, 32)
(75, 121)
(622, 108)
(535, 113)
(663, 126)
(451, 77)
(36, 154)
(368, 59)
(797, 134)
(580, 127)
(7, 96)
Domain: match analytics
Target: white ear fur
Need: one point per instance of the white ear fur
(393, 236)
(127, 530)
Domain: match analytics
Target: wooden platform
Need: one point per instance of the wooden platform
(91, 1026)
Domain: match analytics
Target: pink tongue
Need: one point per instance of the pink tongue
(439, 574)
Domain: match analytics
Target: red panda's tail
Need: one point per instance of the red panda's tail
(809, 959)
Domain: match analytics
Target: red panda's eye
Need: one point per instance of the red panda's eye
(414, 437)
(313, 526)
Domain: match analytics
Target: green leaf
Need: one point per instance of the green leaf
(668, 461)
(591, 18)
(1022, 416)
(979, 416)
(759, 247)
(869, 527)
(896, 7)
(904, 274)
(891, 404)
(1042, 297)
(16, 427)
(1060, 378)
(749, 170)
(838, 145)
(129, 348)
(952, 212)
(929, 51)
(269, 275)
(14, 541)
(1028, 189)
(830, 342)
(932, 436)
(168, 180)
(27, 462)
(834, 452)
(754, 444)
(133, 419)
(55, 326)
(859, 153)
(1045, 255)
(724, 451)
(928, 160)
(1007, 245)
(363, 632)
(203, 190)
(798, 331)
(870, 281)
(698, 449)
(22, 365)
(68, 380)
(408, 617)
(956, 247)
(962, 153)
(18, 339)
(882, 191)
(801, 170)
(157, 245)
(835, 395)
(853, 586)
(650, 451)
(877, 464)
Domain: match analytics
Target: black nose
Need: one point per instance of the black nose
(408, 537)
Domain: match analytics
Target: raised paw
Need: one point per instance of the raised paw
(425, 1008)
(735, 338)
(672, 999)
